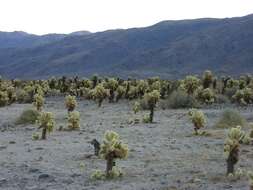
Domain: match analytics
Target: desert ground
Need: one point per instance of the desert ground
(164, 155)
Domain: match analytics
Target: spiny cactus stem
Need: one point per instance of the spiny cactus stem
(110, 162)
(70, 109)
(232, 160)
(39, 109)
(196, 130)
(44, 133)
(151, 115)
(100, 102)
(111, 98)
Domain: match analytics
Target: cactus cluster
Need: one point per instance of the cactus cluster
(198, 119)
(231, 148)
(136, 107)
(243, 96)
(250, 175)
(99, 94)
(70, 103)
(38, 102)
(207, 79)
(151, 98)
(206, 95)
(46, 122)
(190, 84)
(112, 148)
(205, 89)
(74, 120)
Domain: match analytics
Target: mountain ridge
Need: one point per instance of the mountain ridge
(168, 49)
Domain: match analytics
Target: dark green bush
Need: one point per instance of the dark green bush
(221, 99)
(180, 99)
(143, 104)
(28, 117)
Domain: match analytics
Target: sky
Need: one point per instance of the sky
(66, 16)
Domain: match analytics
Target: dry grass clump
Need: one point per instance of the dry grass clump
(230, 118)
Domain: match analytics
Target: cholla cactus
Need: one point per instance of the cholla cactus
(3, 98)
(242, 82)
(98, 175)
(74, 120)
(206, 95)
(239, 97)
(198, 119)
(94, 80)
(112, 85)
(244, 96)
(70, 103)
(111, 149)
(99, 94)
(156, 85)
(190, 84)
(232, 83)
(38, 102)
(142, 87)
(250, 175)
(136, 107)
(151, 99)
(248, 95)
(231, 148)
(11, 94)
(47, 123)
(120, 93)
(207, 79)
(23, 96)
(29, 90)
(146, 118)
(132, 92)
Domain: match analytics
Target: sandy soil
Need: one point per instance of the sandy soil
(163, 156)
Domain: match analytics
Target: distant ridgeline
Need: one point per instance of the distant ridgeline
(169, 49)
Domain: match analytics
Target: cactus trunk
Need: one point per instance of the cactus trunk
(151, 115)
(111, 98)
(100, 102)
(44, 133)
(109, 164)
(232, 160)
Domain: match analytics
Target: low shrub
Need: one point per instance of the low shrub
(230, 118)
(180, 99)
(29, 116)
(221, 99)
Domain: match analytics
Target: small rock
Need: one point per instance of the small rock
(163, 182)
(29, 128)
(68, 181)
(75, 175)
(39, 148)
(12, 142)
(34, 170)
(196, 180)
(46, 177)
(3, 147)
(228, 186)
(34, 188)
(3, 181)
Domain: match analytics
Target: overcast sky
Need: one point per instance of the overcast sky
(65, 16)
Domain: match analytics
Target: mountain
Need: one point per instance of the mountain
(19, 39)
(169, 49)
(80, 33)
